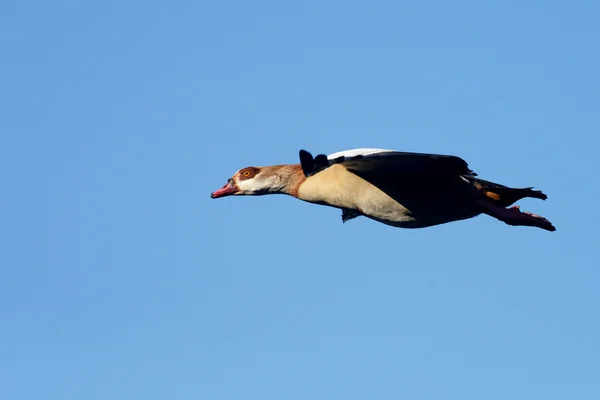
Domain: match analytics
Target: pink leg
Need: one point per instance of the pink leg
(514, 216)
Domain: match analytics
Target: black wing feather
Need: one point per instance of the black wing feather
(391, 163)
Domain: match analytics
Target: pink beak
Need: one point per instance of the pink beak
(226, 190)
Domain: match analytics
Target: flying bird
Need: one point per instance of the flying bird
(405, 190)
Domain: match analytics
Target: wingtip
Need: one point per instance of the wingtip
(306, 161)
(304, 153)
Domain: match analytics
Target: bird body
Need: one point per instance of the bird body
(405, 190)
(338, 187)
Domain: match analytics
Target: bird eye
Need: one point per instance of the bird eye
(246, 173)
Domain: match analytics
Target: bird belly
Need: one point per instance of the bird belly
(386, 210)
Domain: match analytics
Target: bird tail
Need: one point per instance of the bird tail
(506, 196)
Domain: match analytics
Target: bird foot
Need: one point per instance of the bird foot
(514, 216)
(529, 219)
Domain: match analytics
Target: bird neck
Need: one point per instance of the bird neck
(286, 178)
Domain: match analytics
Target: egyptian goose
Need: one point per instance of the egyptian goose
(405, 190)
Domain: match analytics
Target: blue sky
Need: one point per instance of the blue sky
(122, 279)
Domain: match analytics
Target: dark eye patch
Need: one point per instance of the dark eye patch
(248, 173)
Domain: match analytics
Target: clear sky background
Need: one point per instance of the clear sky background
(121, 279)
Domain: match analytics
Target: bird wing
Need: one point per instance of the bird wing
(382, 163)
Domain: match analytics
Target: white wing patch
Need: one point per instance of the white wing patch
(357, 152)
